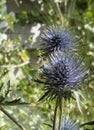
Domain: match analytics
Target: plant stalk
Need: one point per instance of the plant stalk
(60, 114)
(12, 118)
(55, 113)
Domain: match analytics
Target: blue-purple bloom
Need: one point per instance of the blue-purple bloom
(54, 39)
(61, 75)
(69, 124)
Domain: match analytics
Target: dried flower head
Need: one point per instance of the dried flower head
(62, 75)
(54, 39)
(69, 124)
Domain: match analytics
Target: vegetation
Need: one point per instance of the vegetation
(19, 94)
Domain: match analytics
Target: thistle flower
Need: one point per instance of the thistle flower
(69, 124)
(55, 39)
(61, 75)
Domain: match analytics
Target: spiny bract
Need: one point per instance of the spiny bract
(54, 39)
(69, 124)
(61, 75)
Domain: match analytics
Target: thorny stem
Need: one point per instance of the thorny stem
(55, 113)
(12, 118)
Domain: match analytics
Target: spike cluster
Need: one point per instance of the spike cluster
(62, 73)
(69, 124)
(55, 39)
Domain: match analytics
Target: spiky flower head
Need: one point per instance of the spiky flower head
(54, 39)
(69, 124)
(61, 75)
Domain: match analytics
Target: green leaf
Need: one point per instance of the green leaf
(10, 19)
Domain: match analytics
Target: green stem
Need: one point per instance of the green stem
(60, 112)
(60, 13)
(12, 118)
(55, 113)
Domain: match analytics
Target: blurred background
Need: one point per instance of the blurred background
(21, 24)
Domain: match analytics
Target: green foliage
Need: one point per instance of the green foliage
(18, 67)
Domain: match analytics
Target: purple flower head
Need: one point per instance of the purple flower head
(61, 75)
(69, 124)
(55, 39)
